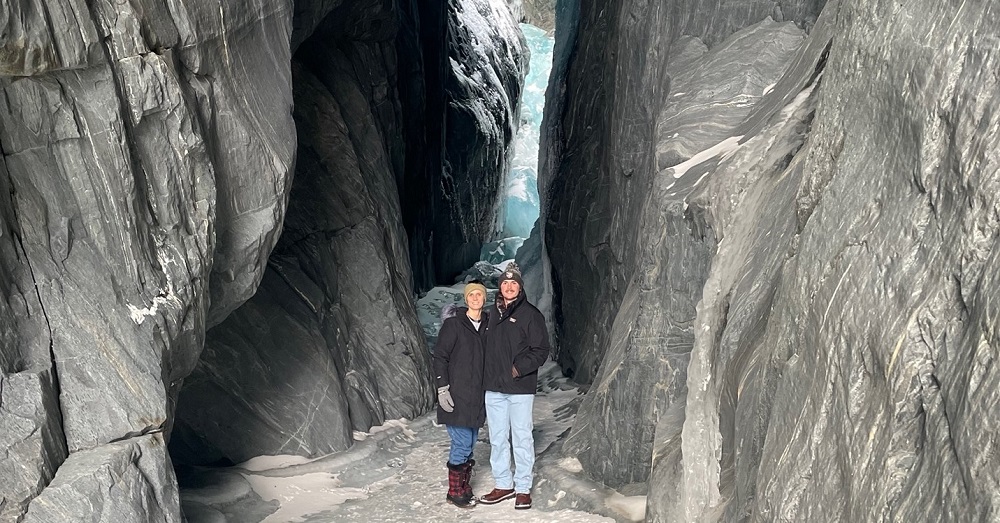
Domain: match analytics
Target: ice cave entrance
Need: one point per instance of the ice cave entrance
(520, 199)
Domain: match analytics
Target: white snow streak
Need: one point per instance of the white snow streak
(724, 148)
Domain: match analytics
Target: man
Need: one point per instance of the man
(458, 370)
(516, 346)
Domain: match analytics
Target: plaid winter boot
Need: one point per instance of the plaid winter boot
(456, 487)
(467, 479)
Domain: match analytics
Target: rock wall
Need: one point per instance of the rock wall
(487, 62)
(330, 342)
(792, 325)
(144, 186)
(148, 152)
(643, 373)
(474, 62)
(539, 13)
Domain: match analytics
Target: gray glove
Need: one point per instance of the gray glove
(444, 399)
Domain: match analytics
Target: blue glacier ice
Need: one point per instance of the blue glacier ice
(521, 195)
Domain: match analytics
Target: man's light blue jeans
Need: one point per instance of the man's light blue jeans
(509, 420)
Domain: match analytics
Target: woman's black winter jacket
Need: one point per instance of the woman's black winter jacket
(458, 362)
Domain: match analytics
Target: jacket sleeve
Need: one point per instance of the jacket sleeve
(442, 353)
(537, 351)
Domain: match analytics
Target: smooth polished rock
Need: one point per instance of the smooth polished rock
(486, 66)
(335, 344)
(266, 383)
(144, 146)
(839, 353)
(874, 366)
(644, 372)
(598, 163)
(130, 481)
(243, 101)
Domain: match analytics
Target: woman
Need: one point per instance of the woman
(458, 367)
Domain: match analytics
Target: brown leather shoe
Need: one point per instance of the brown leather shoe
(497, 495)
(522, 501)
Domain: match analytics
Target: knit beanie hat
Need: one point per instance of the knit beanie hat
(512, 272)
(474, 286)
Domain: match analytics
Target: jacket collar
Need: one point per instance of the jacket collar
(506, 312)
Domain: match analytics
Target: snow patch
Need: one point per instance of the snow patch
(725, 148)
(402, 423)
(571, 465)
(300, 496)
(632, 507)
(280, 461)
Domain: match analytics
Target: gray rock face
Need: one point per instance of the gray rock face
(539, 13)
(266, 382)
(148, 151)
(144, 148)
(487, 63)
(643, 374)
(33, 41)
(31, 436)
(464, 63)
(129, 481)
(823, 254)
(334, 315)
(608, 141)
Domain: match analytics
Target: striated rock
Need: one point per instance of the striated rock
(117, 290)
(243, 101)
(462, 66)
(34, 38)
(145, 146)
(486, 68)
(266, 382)
(128, 481)
(330, 342)
(608, 141)
(823, 253)
(644, 372)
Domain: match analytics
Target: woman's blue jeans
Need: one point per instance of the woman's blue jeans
(463, 439)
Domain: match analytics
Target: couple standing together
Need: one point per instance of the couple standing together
(486, 366)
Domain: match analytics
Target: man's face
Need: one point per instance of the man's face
(475, 300)
(510, 289)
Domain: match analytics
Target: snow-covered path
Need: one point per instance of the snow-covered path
(397, 473)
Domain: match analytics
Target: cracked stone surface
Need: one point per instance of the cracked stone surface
(130, 481)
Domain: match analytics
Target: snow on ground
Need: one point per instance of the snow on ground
(396, 473)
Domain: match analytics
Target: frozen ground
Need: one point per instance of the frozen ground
(396, 473)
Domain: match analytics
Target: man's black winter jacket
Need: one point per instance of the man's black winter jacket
(516, 338)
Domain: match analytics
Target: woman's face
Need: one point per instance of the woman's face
(475, 300)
